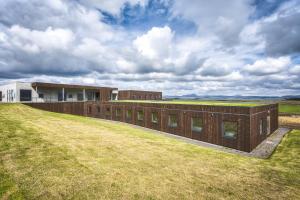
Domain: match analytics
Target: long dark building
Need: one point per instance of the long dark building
(238, 127)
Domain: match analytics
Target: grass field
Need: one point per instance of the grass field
(198, 102)
(289, 108)
(47, 155)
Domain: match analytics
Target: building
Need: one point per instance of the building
(139, 95)
(237, 127)
(52, 92)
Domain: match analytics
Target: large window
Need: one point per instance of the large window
(197, 124)
(230, 129)
(154, 117)
(140, 115)
(25, 95)
(79, 96)
(90, 96)
(129, 114)
(172, 121)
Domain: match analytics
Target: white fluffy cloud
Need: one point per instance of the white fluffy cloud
(156, 43)
(268, 66)
(51, 39)
(224, 18)
(36, 41)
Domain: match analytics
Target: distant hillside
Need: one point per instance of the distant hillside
(220, 97)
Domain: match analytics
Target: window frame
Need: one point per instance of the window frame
(195, 128)
(140, 113)
(23, 98)
(152, 118)
(170, 123)
(224, 130)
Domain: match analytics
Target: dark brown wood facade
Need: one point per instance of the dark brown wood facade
(139, 95)
(254, 124)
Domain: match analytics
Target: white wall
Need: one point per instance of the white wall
(25, 86)
(16, 87)
(7, 87)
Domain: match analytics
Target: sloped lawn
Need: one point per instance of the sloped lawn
(47, 155)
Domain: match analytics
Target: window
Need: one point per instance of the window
(118, 112)
(98, 109)
(261, 127)
(140, 115)
(25, 95)
(230, 130)
(154, 117)
(41, 95)
(129, 114)
(79, 96)
(197, 124)
(89, 109)
(70, 96)
(268, 125)
(90, 96)
(172, 122)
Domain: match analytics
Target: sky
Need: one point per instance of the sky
(215, 47)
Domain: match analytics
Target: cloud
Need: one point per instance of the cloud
(282, 31)
(268, 66)
(295, 69)
(230, 53)
(155, 44)
(114, 7)
(226, 19)
(35, 41)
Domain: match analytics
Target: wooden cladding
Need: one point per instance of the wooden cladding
(139, 95)
(229, 126)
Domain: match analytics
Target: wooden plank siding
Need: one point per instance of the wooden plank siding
(139, 95)
(247, 118)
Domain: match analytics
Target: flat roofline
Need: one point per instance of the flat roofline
(71, 86)
(217, 104)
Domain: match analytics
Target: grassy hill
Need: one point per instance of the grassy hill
(47, 155)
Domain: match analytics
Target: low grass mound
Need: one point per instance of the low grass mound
(46, 155)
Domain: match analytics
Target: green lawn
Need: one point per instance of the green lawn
(47, 155)
(198, 102)
(289, 108)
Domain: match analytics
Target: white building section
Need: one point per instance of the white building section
(48, 92)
